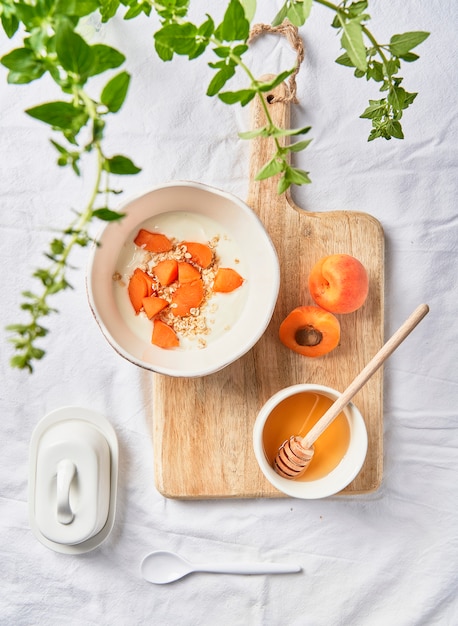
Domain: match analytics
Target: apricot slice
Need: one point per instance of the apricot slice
(140, 286)
(201, 254)
(339, 283)
(153, 242)
(188, 296)
(164, 336)
(152, 305)
(310, 331)
(227, 280)
(166, 271)
(187, 272)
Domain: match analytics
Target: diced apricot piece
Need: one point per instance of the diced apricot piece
(310, 331)
(227, 280)
(187, 272)
(187, 297)
(152, 305)
(140, 286)
(153, 242)
(164, 336)
(166, 271)
(201, 254)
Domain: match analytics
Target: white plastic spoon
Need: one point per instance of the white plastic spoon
(163, 567)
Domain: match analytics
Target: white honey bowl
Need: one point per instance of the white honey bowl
(262, 279)
(341, 476)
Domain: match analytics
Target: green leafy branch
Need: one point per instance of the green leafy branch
(52, 45)
(229, 43)
(380, 63)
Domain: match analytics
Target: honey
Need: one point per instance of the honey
(295, 415)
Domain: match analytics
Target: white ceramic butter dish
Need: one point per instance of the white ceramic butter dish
(73, 480)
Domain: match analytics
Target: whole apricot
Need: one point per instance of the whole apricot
(339, 283)
(310, 331)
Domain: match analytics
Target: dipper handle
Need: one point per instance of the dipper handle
(387, 349)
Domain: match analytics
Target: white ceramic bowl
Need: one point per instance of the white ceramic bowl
(341, 476)
(259, 267)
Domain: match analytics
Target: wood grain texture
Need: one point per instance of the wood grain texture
(202, 428)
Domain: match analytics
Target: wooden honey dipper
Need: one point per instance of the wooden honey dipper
(296, 453)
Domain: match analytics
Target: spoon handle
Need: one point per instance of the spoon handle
(373, 365)
(247, 568)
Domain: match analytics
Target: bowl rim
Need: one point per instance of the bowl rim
(332, 483)
(268, 311)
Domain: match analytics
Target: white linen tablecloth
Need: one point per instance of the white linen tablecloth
(386, 558)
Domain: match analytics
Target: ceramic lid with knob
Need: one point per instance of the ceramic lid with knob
(73, 479)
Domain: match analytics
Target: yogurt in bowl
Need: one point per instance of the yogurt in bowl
(218, 312)
(229, 323)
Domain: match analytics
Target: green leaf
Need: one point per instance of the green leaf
(121, 165)
(283, 184)
(62, 115)
(396, 98)
(23, 65)
(352, 41)
(289, 132)
(78, 8)
(409, 57)
(401, 44)
(356, 8)
(299, 12)
(74, 53)
(244, 96)
(115, 91)
(296, 176)
(299, 145)
(222, 51)
(395, 129)
(206, 29)
(345, 60)
(108, 9)
(136, 10)
(249, 6)
(10, 24)
(220, 79)
(409, 98)
(375, 72)
(376, 109)
(283, 12)
(271, 84)
(251, 134)
(165, 53)
(235, 26)
(107, 215)
(57, 246)
(271, 168)
(105, 58)
(177, 38)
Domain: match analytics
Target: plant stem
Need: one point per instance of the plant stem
(254, 84)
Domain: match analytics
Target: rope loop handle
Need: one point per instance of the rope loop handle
(291, 33)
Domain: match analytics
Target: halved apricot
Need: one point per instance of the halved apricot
(310, 331)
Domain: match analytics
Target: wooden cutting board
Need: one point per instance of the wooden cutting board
(202, 428)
